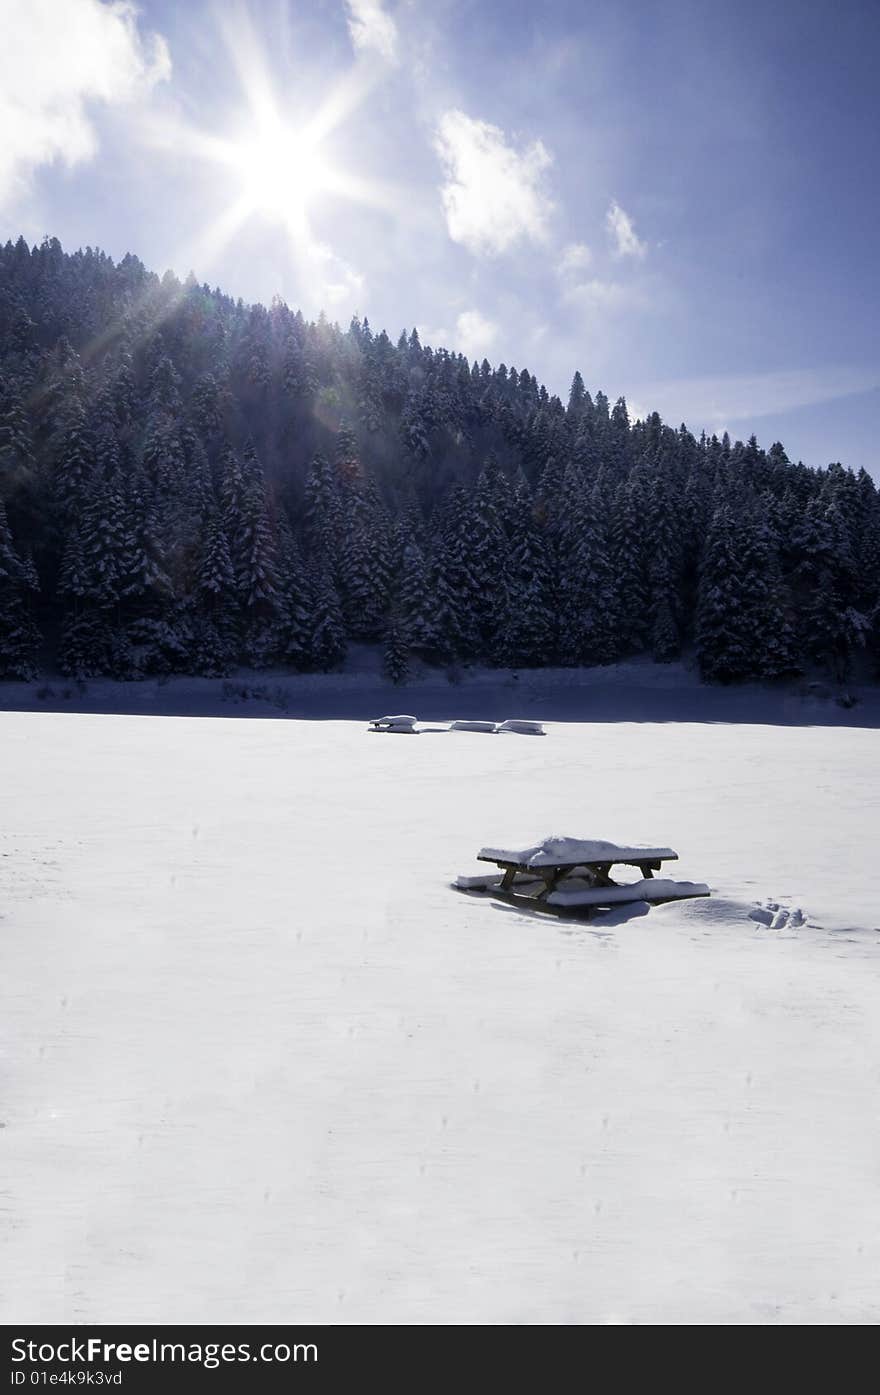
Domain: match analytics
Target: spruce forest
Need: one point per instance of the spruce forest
(189, 484)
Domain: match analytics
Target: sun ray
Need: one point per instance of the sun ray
(248, 58)
(343, 100)
(278, 165)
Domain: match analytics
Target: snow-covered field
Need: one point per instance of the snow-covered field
(261, 1063)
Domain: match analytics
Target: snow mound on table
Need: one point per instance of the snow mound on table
(556, 851)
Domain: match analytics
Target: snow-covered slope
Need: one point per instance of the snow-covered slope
(261, 1063)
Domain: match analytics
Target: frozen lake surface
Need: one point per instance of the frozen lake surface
(261, 1064)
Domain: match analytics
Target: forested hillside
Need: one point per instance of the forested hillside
(188, 483)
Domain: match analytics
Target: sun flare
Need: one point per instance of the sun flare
(278, 164)
(281, 171)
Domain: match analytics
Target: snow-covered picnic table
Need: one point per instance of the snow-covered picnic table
(535, 874)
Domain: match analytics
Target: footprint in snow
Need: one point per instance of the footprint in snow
(777, 917)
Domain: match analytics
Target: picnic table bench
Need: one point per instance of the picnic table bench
(567, 875)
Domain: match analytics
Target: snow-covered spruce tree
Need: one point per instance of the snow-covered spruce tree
(326, 630)
(103, 537)
(230, 491)
(86, 644)
(552, 499)
(251, 357)
(415, 427)
(72, 456)
(395, 659)
(199, 499)
(416, 606)
(499, 492)
(664, 565)
(456, 582)
(725, 636)
(484, 539)
(295, 608)
(617, 451)
(85, 635)
(774, 648)
(721, 653)
(628, 569)
(577, 399)
(451, 626)
(364, 561)
(215, 638)
(585, 584)
(163, 458)
(527, 634)
(19, 637)
(17, 460)
(832, 628)
(347, 460)
(297, 378)
(142, 578)
(215, 578)
(206, 408)
(257, 584)
(73, 577)
(323, 515)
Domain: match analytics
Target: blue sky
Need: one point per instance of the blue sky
(678, 198)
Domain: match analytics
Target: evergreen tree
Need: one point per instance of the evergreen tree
(628, 565)
(296, 599)
(364, 562)
(415, 603)
(19, 638)
(323, 515)
(17, 461)
(326, 630)
(395, 660)
(528, 637)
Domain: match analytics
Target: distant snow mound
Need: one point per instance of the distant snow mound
(473, 726)
(398, 723)
(522, 727)
(556, 851)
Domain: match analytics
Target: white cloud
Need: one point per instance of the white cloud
(371, 28)
(623, 234)
(716, 402)
(333, 282)
(596, 294)
(474, 334)
(55, 59)
(574, 258)
(492, 195)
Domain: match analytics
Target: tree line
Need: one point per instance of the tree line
(189, 483)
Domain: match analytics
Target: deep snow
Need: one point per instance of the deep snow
(261, 1063)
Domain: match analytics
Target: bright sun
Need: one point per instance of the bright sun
(278, 167)
(282, 172)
